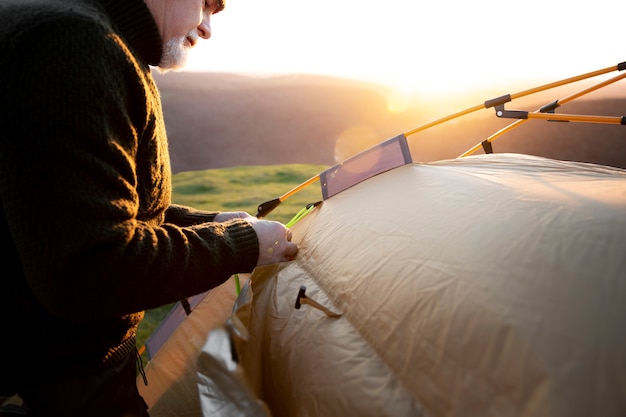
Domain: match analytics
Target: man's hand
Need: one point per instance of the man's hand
(274, 237)
(229, 215)
(274, 241)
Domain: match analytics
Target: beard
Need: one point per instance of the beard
(175, 54)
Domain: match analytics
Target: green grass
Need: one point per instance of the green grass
(238, 189)
(244, 188)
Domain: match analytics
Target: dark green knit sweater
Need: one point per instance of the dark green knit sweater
(89, 236)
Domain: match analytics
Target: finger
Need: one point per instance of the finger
(291, 252)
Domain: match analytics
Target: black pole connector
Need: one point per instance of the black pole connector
(265, 208)
(497, 101)
(621, 66)
(501, 112)
(186, 306)
(550, 107)
(487, 146)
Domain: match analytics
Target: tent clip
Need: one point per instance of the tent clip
(487, 146)
(501, 112)
(550, 107)
(303, 299)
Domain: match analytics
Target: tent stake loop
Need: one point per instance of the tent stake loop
(303, 299)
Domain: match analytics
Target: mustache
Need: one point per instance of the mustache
(191, 39)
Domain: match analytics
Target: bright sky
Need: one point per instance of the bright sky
(436, 45)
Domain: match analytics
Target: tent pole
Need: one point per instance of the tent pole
(509, 97)
(265, 208)
(547, 108)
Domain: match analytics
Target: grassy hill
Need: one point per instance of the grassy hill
(245, 187)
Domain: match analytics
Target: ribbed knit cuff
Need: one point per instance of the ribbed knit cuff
(245, 244)
(117, 354)
(187, 216)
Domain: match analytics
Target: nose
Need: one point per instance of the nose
(204, 28)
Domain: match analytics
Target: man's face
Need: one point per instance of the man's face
(182, 23)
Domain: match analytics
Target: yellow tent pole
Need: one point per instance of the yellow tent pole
(445, 119)
(264, 208)
(510, 97)
(588, 90)
(492, 137)
(613, 120)
(557, 103)
(299, 187)
(566, 81)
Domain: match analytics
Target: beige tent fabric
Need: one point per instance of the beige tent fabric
(304, 363)
(492, 285)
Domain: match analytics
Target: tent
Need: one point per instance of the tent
(492, 285)
(514, 307)
(485, 285)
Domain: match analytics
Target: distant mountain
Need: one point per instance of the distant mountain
(220, 120)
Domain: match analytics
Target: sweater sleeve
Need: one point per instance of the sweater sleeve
(188, 216)
(85, 182)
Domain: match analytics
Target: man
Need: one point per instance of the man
(89, 234)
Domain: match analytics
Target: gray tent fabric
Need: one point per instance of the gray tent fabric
(492, 285)
(172, 372)
(222, 392)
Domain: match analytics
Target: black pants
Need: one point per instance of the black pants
(75, 392)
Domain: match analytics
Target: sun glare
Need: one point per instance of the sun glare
(399, 99)
(431, 47)
(354, 140)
